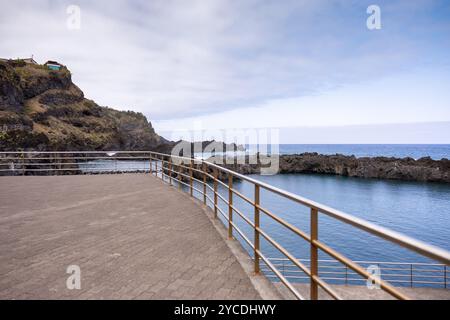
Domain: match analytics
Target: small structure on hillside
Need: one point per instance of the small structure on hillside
(53, 65)
(30, 60)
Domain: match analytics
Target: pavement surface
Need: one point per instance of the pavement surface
(131, 235)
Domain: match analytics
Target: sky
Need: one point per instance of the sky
(303, 67)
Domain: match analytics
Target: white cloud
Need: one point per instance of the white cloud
(408, 98)
(173, 59)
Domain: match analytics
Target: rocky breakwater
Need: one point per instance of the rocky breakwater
(423, 169)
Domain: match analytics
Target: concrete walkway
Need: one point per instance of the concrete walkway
(132, 236)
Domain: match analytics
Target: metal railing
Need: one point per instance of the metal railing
(185, 171)
(73, 162)
(407, 274)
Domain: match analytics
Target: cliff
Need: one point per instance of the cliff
(42, 109)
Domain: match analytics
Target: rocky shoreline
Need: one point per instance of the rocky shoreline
(408, 169)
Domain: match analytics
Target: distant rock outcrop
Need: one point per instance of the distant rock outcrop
(424, 169)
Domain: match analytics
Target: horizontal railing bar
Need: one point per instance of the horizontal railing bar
(210, 199)
(198, 190)
(26, 165)
(425, 282)
(73, 152)
(209, 175)
(175, 173)
(186, 167)
(21, 164)
(283, 251)
(297, 263)
(79, 158)
(326, 287)
(353, 273)
(243, 197)
(182, 174)
(222, 213)
(222, 198)
(409, 275)
(407, 270)
(423, 270)
(222, 184)
(210, 187)
(178, 181)
(280, 276)
(243, 216)
(198, 180)
(385, 286)
(348, 275)
(371, 262)
(286, 224)
(354, 280)
(79, 169)
(242, 235)
(186, 184)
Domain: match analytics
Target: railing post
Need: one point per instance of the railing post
(314, 254)
(156, 165)
(54, 164)
(256, 240)
(170, 170)
(190, 178)
(204, 182)
(149, 160)
(411, 275)
(23, 163)
(215, 193)
(230, 203)
(180, 177)
(445, 276)
(58, 163)
(346, 274)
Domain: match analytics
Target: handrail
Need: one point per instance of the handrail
(409, 273)
(387, 234)
(171, 167)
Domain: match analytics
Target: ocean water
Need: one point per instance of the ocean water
(416, 151)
